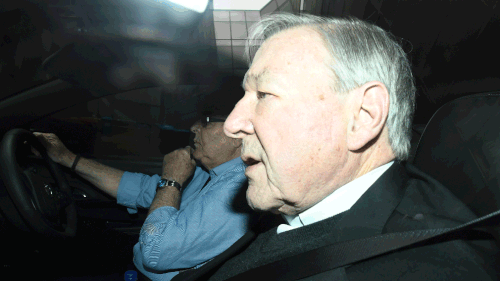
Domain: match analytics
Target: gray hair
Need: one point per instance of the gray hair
(361, 52)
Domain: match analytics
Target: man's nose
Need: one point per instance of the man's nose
(239, 123)
(195, 127)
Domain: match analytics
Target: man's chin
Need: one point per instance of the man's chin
(257, 204)
(196, 155)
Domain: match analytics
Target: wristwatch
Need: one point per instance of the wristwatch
(162, 183)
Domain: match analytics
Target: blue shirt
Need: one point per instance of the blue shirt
(205, 225)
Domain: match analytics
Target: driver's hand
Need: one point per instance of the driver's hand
(178, 165)
(56, 150)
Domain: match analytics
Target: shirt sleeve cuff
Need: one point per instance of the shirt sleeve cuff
(136, 190)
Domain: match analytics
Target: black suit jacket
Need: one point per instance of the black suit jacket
(401, 199)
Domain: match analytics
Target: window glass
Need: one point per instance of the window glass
(118, 126)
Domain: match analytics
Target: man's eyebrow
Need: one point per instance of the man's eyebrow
(256, 79)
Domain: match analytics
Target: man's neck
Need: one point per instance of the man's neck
(341, 200)
(371, 159)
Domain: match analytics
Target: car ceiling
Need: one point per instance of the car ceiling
(452, 46)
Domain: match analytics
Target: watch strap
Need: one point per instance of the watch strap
(162, 183)
(75, 162)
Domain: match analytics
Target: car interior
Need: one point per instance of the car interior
(121, 82)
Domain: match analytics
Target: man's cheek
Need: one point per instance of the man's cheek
(216, 145)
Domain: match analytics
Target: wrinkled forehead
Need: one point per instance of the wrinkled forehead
(298, 49)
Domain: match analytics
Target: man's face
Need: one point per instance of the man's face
(211, 146)
(292, 125)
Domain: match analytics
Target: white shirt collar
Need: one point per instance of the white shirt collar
(341, 200)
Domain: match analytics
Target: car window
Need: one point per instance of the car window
(130, 124)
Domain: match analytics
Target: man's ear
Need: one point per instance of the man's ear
(368, 113)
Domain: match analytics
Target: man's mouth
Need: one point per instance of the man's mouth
(251, 163)
(249, 160)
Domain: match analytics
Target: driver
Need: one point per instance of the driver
(188, 223)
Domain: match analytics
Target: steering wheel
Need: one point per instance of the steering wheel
(46, 204)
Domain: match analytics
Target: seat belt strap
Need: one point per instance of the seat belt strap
(344, 253)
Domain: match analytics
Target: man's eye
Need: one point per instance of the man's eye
(261, 95)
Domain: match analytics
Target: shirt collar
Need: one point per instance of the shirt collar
(341, 200)
(224, 166)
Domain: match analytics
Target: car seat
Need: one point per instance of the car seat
(460, 147)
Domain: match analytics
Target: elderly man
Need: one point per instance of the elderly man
(187, 225)
(325, 123)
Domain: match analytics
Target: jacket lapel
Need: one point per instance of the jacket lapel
(371, 212)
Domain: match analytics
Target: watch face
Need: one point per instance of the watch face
(162, 182)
